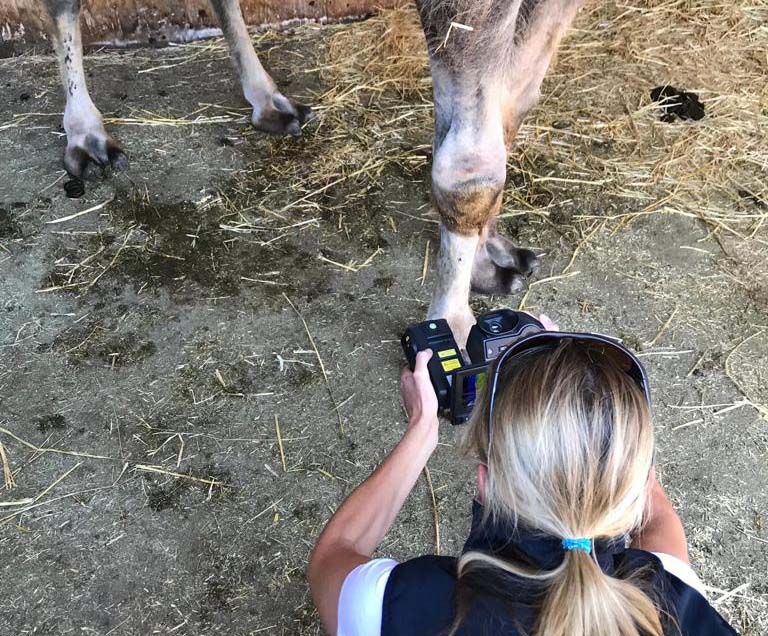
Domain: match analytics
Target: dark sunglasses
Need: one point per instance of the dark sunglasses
(613, 349)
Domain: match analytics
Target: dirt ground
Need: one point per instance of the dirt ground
(163, 410)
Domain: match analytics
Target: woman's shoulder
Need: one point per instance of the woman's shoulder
(371, 587)
(684, 594)
(361, 598)
(371, 579)
(676, 572)
(681, 570)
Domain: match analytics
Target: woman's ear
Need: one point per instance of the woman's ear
(482, 476)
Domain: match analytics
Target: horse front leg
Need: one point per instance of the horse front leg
(88, 142)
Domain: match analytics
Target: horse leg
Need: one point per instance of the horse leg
(87, 140)
(479, 107)
(272, 111)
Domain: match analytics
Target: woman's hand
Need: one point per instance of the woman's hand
(416, 389)
(547, 322)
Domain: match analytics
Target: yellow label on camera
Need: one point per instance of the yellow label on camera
(446, 353)
(450, 365)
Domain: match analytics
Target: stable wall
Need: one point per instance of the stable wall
(149, 21)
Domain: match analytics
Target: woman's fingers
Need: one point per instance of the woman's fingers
(422, 358)
(416, 387)
(548, 323)
(419, 369)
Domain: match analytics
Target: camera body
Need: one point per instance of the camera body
(456, 381)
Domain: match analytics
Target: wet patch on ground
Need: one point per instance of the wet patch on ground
(181, 248)
(95, 343)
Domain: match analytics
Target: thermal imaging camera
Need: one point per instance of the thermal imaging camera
(457, 382)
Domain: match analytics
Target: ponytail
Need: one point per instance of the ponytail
(578, 598)
(584, 601)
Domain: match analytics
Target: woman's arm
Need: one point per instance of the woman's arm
(359, 525)
(663, 531)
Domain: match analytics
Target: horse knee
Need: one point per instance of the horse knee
(58, 8)
(467, 189)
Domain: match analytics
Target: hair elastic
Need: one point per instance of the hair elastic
(582, 544)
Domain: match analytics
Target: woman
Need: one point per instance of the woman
(564, 445)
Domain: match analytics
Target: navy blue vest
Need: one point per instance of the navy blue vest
(421, 594)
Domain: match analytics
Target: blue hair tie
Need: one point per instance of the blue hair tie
(577, 544)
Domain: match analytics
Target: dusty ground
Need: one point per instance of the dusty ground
(148, 333)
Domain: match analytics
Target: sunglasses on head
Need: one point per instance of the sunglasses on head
(611, 348)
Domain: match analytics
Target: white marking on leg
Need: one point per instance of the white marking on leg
(80, 114)
(86, 137)
(258, 86)
(450, 299)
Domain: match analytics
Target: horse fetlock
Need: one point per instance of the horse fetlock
(88, 143)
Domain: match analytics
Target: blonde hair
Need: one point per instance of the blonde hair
(570, 457)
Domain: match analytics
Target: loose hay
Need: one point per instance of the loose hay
(8, 479)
